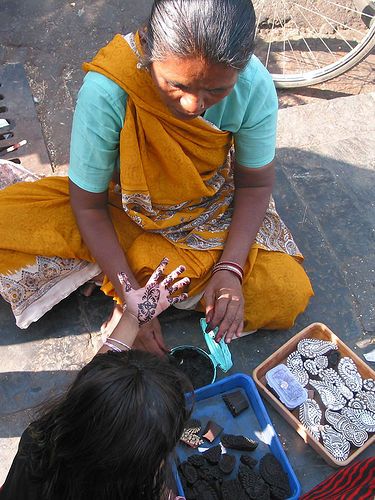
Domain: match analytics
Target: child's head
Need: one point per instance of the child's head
(111, 433)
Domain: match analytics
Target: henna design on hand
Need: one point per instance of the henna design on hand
(172, 276)
(154, 279)
(176, 286)
(159, 270)
(147, 308)
(124, 281)
(180, 298)
(147, 302)
(167, 281)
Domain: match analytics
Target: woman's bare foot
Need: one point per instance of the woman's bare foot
(111, 323)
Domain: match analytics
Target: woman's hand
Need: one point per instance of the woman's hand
(150, 338)
(138, 325)
(224, 305)
(95, 226)
(148, 302)
(223, 295)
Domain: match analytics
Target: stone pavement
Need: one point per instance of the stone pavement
(59, 35)
(325, 192)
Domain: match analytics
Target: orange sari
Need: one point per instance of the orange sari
(174, 199)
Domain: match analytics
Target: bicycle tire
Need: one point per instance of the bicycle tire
(313, 41)
(331, 71)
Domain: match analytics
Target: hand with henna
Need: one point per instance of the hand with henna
(148, 302)
(138, 326)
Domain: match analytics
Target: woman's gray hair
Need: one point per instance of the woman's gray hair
(219, 31)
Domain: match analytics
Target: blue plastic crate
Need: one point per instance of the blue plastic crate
(253, 423)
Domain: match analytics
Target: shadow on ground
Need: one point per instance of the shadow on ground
(326, 202)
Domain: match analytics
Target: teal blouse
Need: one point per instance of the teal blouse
(249, 112)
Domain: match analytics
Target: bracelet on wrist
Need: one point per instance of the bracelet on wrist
(111, 339)
(230, 263)
(227, 267)
(109, 343)
(113, 347)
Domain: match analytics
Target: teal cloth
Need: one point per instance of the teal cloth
(249, 112)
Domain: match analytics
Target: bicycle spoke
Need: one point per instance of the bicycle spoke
(289, 42)
(308, 43)
(295, 56)
(270, 43)
(314, 29)
(335, 29)
(361, 13)
(328, 19)
(260, 15)
(305, 42)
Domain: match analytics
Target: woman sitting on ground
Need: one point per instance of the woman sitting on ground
(110, 435)
(183, 116)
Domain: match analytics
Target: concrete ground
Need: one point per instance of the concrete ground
(324, 192)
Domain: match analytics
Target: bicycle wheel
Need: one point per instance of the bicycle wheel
(305, 42)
